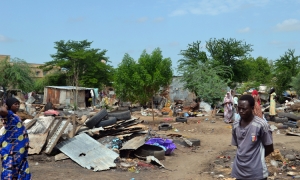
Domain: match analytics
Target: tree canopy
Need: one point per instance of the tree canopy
(228, 52)
(16, 74)
(286, 67)
(141, 80)
(81, 63)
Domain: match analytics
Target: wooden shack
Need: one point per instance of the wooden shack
(65, 95)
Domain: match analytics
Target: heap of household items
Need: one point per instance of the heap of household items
(96, 139)
(286, 117)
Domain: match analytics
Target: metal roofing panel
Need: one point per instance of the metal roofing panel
(88, 152)
(134, 143)
(67, 87)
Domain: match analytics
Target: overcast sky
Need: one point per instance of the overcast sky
(28, 29)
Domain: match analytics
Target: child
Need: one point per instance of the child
(14, 143)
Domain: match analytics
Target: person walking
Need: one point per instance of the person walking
(14, 143)
(228, 108)
(253, 138)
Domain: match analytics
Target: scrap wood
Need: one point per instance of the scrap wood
(61, 156)
(292, 134)
(37, 142)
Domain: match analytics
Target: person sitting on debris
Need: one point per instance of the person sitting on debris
(253, 138)
(257, 108)
(14, 143)
(228, 108)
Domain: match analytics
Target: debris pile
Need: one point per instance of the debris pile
(97, 139)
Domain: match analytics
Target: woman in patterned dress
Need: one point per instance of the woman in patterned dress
(14, 144)
(228, 108)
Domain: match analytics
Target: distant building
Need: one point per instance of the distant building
(36, 71)
(3, 57)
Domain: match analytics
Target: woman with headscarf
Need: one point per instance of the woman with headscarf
(14, 143)
(228, 108)
(257, 108)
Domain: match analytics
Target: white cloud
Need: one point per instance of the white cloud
(244, 30)
(289, 25)
(215, 7)
(142, 19)
(159, 19)
(5, 39)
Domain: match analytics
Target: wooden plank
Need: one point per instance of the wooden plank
(61, 156)
(37, 142)
(55, 137)
(73, 131)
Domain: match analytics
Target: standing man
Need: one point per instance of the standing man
(253, 138)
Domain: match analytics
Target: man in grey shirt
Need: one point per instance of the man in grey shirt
(253, 138)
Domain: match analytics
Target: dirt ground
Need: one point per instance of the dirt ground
(185, 163)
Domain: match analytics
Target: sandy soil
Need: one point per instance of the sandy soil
(186, 163)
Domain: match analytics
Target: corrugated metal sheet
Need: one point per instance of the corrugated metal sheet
(88, 152)
(134, 143)
(68, 87)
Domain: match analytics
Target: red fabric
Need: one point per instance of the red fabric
(51, 112)
(254, 92)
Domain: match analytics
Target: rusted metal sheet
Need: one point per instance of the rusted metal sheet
(88, 152)
(37, 142)
(134, 143)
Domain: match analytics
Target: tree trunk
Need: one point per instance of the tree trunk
(152, 109)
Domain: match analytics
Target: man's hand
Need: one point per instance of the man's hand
(268, 149)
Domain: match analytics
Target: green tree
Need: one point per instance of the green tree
(259, 70)
(154, 72)
(205, 81)
(16, 73)
(82, 64)
(123, 79)
(143, 78)
(192, 55)
(56, 78)
(228, 52)
(286, 67)
(201, 75)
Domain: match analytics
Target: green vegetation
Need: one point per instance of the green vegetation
(141, 80)
(16, 74)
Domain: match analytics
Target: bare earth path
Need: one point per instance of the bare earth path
(185, 163)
